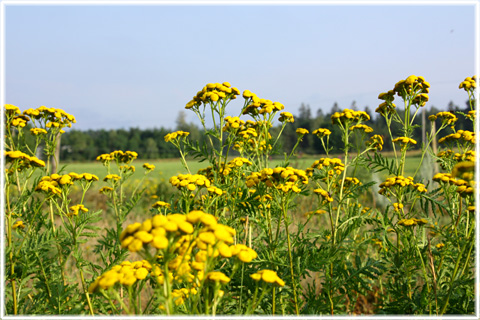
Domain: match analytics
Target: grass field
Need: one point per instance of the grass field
(165, 168)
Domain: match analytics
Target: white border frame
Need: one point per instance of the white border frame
(4, 3)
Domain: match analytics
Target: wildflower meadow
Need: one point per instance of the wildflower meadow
(250, 233)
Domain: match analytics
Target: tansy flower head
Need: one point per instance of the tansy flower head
(286, 117)
(149, 167)
(269, 276)
(375, 142)
(176, 135)
(469, 84)
(301, 132)
(322, 132)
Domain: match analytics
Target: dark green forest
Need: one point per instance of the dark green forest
(79, 145)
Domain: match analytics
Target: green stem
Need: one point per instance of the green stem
(290, 259)
(454, 274)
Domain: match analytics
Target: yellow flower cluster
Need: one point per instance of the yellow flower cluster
(321, 132)
(269, 276)
(260, 106)
(180, 295)
(48, 187)
(412, 85)
(362, 127)
(348, 116)
(217, 276)
(349, 181)
(19, 121)
(331, 165)
(464, 135)
(105, 190)
(470, 83)
(397, 206)
(284, 179)
(404, 141)
(10, 109)
(247, 137)
(119, 156)
(238, 162)
(126, 168)
(386, 107)
(18, 224)
(127, 273)
(148, 167)
(301, 132)
(57, 118)
(112, 177)
(471, 114)
(412, 222)
(52, 182)
(400, 182)
(375, 142)
(464, 186)
(444, 178)
(189, 181)
(447, 117)
(191, 241)
(74, 210)
(230, 167)
(174, 135)
(316, 212)
(213, 92)
(22, 160)
(233, 123)
(469, 155)
(38, 131)
(286, 117)
(325, 195)
(161, 204)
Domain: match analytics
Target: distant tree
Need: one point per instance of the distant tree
(304, 112)
(151, 149)
(353, 105)
(135, 140)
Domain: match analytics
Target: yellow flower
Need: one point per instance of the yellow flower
(18, 224)
(301, 132)
(286, 117)
(322, 132)
(268, 276)
(105, 190)
(113, 177)
(38, 131)
(217, 276)
(74, 210)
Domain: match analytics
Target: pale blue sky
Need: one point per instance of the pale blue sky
(137, 66)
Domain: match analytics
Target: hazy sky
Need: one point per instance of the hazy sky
(122, 66)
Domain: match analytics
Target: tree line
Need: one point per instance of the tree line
(86, 145)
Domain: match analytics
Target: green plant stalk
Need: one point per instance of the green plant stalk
(389, 122)
(424, 269)
(44, 275)
(279, 134)
(431, 137)
(454, 275)
(12, 264)
(340, 199)
(124, 306)
(109, 300)
(59, 249)
(167, 290)
(290, 258)
(85, 291)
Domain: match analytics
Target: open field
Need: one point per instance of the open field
(165, 168)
